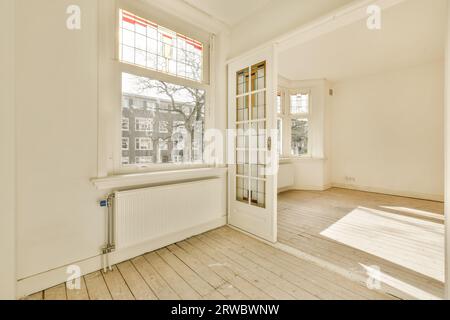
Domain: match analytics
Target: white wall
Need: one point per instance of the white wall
(7, 158)
(278, 18)
(59, 219)
(387, 132)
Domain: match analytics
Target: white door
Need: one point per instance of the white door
(252, 91)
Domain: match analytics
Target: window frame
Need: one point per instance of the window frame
(287, 116)
(280, 117)
(150, 122)
(127, 129)
(128, 143)
(110, 74)
(205, 54)
(137, 141)
(300, 116)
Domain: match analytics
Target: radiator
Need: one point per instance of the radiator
(145, 214)
(286, 176)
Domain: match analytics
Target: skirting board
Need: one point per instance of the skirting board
(57, 276)
(422, 196)
(305, 188)
(406, 194)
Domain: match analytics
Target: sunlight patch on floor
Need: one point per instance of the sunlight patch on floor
(407, 241)
(377, 278)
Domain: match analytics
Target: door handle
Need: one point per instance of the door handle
(269, 144)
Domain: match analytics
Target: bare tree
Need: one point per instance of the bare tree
(191, 111)
(186, 104)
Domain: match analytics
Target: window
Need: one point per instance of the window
(279, 104)
(299, 137)
(125, 144)
(300, 124)
(165, 82)
(163, 127)
(163, 145)
(144, 124)
(146, 44)
(280, 122)
(280, 136)
(144, 144)
(300, 103)
(183, 141)
(125, 124)
(143, 160)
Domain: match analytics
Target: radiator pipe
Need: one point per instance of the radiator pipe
(110, 246)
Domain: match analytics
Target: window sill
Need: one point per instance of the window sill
(159, 177)
(299, 159)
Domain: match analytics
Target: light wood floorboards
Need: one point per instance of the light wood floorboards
(218, 265)
(351, 230)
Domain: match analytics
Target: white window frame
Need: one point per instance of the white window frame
(110, 79)
(280, 138)
(300, 116)
(128, 143)
(147, 163)
(164, 143)
(127, 122)
(150, 121)
(138, 140)
(286, 121)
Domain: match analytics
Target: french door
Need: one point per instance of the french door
(252, 91)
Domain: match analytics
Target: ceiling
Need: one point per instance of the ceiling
(412, 32)
(230, 12)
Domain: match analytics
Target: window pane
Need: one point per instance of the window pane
(148, 45)
(165, 122)
(279, 109)
(259, 77)
(299, 103)
(299, 143)
(280, 135)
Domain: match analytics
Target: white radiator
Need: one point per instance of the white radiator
(146, 214)
(286, 175)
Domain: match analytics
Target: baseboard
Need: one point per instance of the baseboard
(57, 276)
(305, 188)
(281, 190)
(407, 194)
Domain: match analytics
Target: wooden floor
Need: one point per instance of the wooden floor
(221, 264)
(401, 239)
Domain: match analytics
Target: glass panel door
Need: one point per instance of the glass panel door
(252, 115)
(251, 151)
